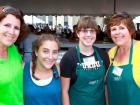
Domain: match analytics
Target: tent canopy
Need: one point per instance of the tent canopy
(75, 7)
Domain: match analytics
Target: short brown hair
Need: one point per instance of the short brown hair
(119, 18)
(86, 22)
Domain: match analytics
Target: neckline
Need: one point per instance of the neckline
(130, 55)
(43, 82)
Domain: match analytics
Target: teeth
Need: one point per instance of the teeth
(88, 39)
(119, 38)
(8, 36)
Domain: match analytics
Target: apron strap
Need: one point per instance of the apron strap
(96, 53)
(78, 53)
(131, 52)
(55, 72)
(115, 55)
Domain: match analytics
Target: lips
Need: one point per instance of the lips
(119, 37)
(10, 38)
(88, 40)
(49, 62)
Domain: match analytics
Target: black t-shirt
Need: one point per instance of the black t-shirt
(69, 62)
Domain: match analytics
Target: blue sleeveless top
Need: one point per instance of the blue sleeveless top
(49, 94)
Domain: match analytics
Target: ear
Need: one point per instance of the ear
(78, 35)
(36, 53)
(77, 32)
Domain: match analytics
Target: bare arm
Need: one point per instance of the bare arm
(65, 88)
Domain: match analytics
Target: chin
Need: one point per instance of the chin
(119, 44)
(8, 44)
(49, 66)
(88, 44)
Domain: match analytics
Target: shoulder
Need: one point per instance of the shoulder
(69, 54)
(27, 65)
(137, 46)
(112, 51)
(136, 59)
(99, 49)
(136, 51)
(68, 62)
(69, 57)
(71, 51)
(13, 52)
(102, 52)
(12, 48)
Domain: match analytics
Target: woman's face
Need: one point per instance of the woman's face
(120, 34)
(47, 54)
(9, 30)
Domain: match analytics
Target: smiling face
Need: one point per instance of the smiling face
(121, 28)
(9, 30)
(120, 34)
(86, 31)
(86, 37)
(47, 54)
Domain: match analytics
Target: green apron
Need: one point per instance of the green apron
(89, 86)
(122, 89)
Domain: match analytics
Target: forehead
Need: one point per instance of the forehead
(88, 28)
(10, 17)
(52, 45)
(121, 24)
(118, 21)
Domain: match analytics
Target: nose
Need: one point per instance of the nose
(12, 31)
(117, 31)
(50, 55)
(89, 33)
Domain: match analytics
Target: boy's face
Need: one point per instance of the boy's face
(87, 36)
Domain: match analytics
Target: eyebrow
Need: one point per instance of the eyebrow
(49, 49)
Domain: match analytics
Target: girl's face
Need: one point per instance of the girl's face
(87, 37)
(9, 30)
(120, 34)
(47, 54)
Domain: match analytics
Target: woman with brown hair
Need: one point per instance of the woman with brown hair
(123, 77)
(12, 28)
(41, 76)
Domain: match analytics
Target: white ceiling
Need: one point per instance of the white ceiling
(75, 7)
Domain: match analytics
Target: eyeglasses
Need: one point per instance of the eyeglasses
(12, 10)
(86, 31)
